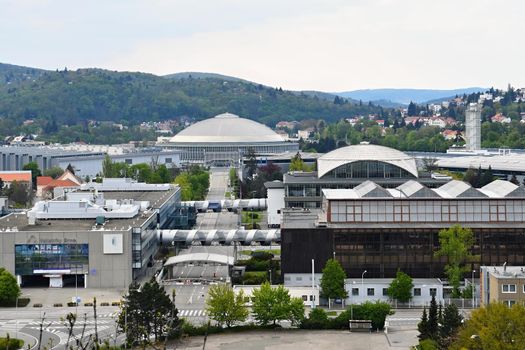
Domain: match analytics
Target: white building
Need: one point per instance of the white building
(305, 293)
(375, 289)
(275, 202)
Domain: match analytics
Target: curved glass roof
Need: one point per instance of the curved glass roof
(365, 152)
(227, 128)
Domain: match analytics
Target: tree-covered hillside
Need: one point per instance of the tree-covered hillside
(72, 97)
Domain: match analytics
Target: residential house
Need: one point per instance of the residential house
(500, 118)
(502, 284)
(20, 176)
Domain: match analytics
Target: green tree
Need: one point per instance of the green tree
(224, 306)
(107, 167)
(400, 288)
(297, 163)
(271, 305)
(450, 325)
(317, 319)
(455, 243)
(333, 280)
(433, 326)
(422, 326)
(494, 327)
(19, 193)
(147, 312)
(54, 172)
(35, 171)
(9, 289)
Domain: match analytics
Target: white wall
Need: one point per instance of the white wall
(379, 284)
(301, 279)
(295, 292)
(92, 166)
(275, 205)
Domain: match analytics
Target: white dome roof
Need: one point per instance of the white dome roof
(363, 152)
(227, 128)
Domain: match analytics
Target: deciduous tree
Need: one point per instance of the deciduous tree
(9, 289)
(226, 307)
(400, 288)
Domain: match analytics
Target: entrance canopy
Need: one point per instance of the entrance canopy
(200, 257)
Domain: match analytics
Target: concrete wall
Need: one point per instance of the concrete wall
(275, 205)
(105, 270)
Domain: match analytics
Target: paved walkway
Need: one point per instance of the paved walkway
(295, 339)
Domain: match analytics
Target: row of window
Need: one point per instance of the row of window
(415, 292)
(510, 288)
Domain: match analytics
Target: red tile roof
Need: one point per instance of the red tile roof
(43, 180)
(20, 176)
(60, 183)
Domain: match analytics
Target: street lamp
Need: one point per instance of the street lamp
(270, 271)
(363, 278)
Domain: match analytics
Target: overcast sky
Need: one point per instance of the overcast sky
(330, 45)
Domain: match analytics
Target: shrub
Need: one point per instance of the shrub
(57, 305)
(255, 277)
(261, 255)
(115, 303)
(376, 312)
(37, 305)
(88, 304)
(318, 319)
(104, 304)
(12, 343)
(427, 344)
(71, 304)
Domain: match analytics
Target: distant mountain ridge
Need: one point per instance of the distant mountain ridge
(404, 96)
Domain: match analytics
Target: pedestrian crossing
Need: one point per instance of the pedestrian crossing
(192, 313)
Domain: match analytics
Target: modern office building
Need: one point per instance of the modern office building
(102, 237)
(86, 162)
(381, 230)
(502, 284)
(223, 139)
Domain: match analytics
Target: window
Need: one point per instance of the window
(433, 292)
(385, 291)
(370, 291)
(305, 297)
(509, 303)
(508, 288)
(312, 297)
(355, 291)
(278, 211)
(299, 278)
(129, 161)
(168, 160)
(417, 292)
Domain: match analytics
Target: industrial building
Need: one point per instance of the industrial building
(223, 139)
(86, 162)
(381, 230)
(343, 168)
(101, 236)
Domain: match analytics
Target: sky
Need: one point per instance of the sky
(327, 45)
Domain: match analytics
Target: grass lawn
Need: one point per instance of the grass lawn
(271, 251)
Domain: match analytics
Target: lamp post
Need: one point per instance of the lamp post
(363, 278)
(473, 290)
(333, 254)
(270, 271)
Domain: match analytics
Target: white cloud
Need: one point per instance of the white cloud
(309, 44)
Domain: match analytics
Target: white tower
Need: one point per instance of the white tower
(473, 126)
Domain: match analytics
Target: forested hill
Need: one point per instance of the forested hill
(72, 97)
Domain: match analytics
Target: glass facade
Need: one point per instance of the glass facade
(31, 257)
(368, 169)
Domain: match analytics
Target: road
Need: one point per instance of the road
(216, 192)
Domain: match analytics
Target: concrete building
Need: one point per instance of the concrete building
(473, 127)
(502, 284)
(375, 289)
(224, 139)
(102, 239)
(307, 294)
(86, 162)
(381, 230)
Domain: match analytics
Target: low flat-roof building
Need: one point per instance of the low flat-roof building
(102, 239)
(502, 284)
